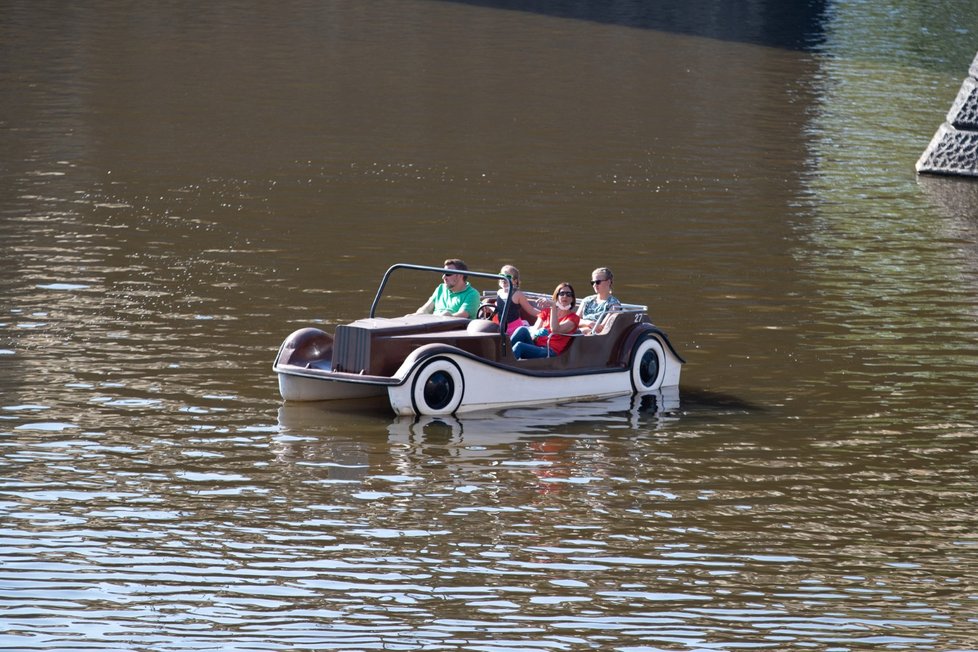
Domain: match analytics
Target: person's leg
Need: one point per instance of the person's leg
(524, 350)
(521, 334)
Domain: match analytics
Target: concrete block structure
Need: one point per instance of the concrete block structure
(954, 148)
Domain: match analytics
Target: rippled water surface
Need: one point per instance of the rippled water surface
(183, 185)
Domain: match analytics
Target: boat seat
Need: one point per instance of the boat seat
(607, 321)
(600, 349)
(482, 326)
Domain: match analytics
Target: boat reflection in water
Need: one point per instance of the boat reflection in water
(348, 442)
(635, 411)
(330, 442)
(553, 444)
(581, 418)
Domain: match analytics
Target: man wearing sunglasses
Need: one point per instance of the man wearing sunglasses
(454, 297)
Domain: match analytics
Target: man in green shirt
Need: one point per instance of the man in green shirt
(454, 297)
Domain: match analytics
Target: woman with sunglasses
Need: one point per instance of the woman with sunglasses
(550, 335)
(595, 308)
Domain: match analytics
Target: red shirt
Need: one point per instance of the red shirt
(559, 341)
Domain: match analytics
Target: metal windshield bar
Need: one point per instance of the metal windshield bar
(445, 270)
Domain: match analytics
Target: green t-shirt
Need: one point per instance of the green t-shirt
(467, 299)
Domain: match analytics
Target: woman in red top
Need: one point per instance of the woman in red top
(549, 336)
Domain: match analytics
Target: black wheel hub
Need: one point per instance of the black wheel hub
(438, 390)
(649, 367)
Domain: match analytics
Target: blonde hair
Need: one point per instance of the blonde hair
(512, 273)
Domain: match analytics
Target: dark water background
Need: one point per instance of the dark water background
(183, 184)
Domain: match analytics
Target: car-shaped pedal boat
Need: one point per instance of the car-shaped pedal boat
(436, 365)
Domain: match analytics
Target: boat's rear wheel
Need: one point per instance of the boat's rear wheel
(438, 387)
(648, 365)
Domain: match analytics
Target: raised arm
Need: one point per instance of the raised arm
(522, 300)
(566, 326)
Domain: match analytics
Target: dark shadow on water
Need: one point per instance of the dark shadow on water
(703, 400)
(789, 24)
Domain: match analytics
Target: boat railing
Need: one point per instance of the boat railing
(447, 270)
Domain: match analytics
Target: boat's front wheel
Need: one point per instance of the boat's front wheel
(438, 387)
(648, 365)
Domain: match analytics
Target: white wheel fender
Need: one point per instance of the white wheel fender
(437, 387)
(648, 365)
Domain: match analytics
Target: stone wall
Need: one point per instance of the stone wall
(954, 148)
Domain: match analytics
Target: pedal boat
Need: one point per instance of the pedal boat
(436, 365)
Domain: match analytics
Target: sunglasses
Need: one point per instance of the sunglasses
(565, 294)
(598, 281)
(447, 275)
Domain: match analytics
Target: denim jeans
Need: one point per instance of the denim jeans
(524, 348)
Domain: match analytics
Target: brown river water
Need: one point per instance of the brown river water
(183, 184)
